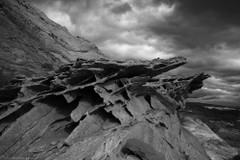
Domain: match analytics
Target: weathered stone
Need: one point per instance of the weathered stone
(118, 114)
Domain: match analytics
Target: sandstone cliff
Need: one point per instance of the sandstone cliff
(100, 110)
(31, 44)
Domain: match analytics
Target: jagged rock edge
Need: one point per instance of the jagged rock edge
(132, 86)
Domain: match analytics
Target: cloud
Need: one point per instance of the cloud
(206, 32)
(62, 18)
(121, 9)
(213, 11)
(219, 91)
(123, 50)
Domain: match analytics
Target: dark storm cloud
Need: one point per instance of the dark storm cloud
(211, 20)
(233, 79)
(121, 9)
(154, 3)
(209, 32)
(214, 11)
(201, 23)
(159, 2)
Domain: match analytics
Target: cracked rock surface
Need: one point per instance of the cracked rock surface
(100, 110)
(31, 44)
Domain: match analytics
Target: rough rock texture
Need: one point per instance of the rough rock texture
(217, 128)
(215, 146)
(223, 120)
(100, 110)
(31, 44)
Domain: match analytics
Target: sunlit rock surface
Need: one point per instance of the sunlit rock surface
(31, 44)
(100, 109)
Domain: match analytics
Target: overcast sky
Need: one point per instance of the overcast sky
(206, 32)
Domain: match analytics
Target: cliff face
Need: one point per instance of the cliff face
(100, 110)
(31, 44)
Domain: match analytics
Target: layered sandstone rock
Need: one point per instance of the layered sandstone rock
(31, 44)
(100, 110)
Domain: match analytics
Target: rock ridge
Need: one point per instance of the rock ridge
(100, 109)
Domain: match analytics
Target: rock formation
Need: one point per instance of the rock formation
(100, 109)
(31, 44)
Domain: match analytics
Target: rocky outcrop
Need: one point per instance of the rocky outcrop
(31, 44)
(100, 109)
